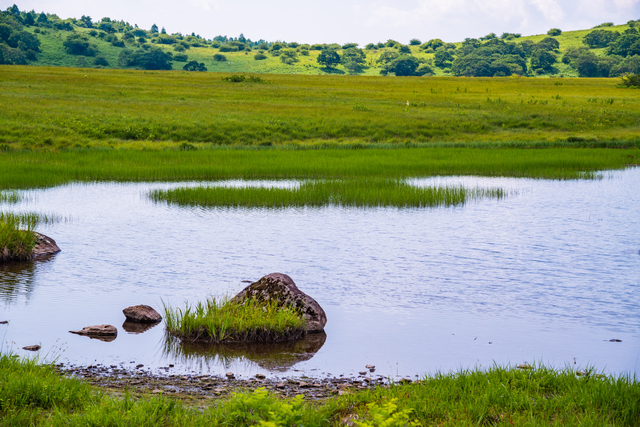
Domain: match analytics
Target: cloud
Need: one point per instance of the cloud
(207, 5)
(551, 10)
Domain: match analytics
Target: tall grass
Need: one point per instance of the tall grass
(352, 193)
(24, 169)
(17, 234)
(222, 320)
(32, 394)
(9, 197)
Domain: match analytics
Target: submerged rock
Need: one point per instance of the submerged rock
(280, 287)
(31, 347)
(97, 331)
(44, 246)
(142, 314)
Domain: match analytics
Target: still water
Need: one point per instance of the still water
(549, 275)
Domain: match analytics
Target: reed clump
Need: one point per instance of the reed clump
(224, 321)
(17, 236)
(345, 193)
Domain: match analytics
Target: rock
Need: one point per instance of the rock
(363, 373)
(141, 314)
(97, 330)
(282, 288)
(4, 322)
(260, 376)
(524, 366)
(44, 246)
(615, 340)
(230, 375)
(31, 347)
(370, 367)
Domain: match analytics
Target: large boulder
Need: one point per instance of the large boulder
(280, 287)
(97, 330)
(142, 314)
(44, 246)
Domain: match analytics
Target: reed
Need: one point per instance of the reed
(345, 193)
(223, 320)
(9, 196)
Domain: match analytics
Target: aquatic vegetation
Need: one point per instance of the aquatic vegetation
(17, 233)
(347, 193)
(10, 196)
(223, 320)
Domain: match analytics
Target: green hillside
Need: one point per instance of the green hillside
(117, 44)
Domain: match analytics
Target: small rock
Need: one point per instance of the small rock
(405, 381)
(97, 330)
(260, 376)
(302, 384)
(140, 365)
(367, 379)
(280, 385)
(156, 391)
(579, 373)
(615, 340)
(4, 322)
(370, 367)
(170, 365)
(31, 347)
(142, 314)
(524, 366)
(230, 375)
(363, 373)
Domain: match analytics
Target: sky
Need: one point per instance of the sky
(344, 21)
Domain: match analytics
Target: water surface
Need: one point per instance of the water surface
(549, 274)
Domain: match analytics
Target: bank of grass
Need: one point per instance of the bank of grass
(224, 320)
(48, 107)
(347, 193)
(27, 169)
(33, 394)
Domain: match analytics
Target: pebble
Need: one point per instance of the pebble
(31, 347)
(363, 373)
(260, 376)
(524, 366)
(4, 322)
(230, 375)
(370, 367)
(615, 340)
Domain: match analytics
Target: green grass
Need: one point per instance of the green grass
(32, 394)
(17, 234)
(9, 197)
(224, 320)
(352, 193)
(46, 108)
(26, 169)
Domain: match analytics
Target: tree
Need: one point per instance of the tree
(442, 58)
(194, 66)
(218, 57)
(404, 49)
(87, 21)
(548, 44)
(288, 56)
(329, 58)
(600, 38)
(554, 32)
(630, 65)
(415, 42)
(627, 44)
(403, 66)
(154, 28)
(543, 59)
(78, 44)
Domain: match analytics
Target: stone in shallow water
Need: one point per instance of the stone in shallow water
(97, 330)
(282, 288)
(44, 246)
(31, 347)
(142, 314)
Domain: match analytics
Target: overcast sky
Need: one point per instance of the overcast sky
(344, 21)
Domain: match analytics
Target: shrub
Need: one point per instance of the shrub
(632, 80)
(180, 57)
(554, 32)
(218, 57)
(227, 48)
(260, 57)
(101, 61)
(194, 66)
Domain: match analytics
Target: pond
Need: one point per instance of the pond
(549, 274)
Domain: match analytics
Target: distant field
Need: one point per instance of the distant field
(47, 107)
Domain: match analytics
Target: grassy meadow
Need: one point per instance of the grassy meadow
(70, 108)
(33, 394)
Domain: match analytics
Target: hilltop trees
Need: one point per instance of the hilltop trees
(328, 57)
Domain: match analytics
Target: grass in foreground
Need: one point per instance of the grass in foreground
(223, 320)
(32, 394)
(352, 193)
(25, 169)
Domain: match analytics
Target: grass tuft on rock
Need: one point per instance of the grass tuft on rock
(17, 236)
(225, 321)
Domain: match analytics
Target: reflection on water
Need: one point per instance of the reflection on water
(275, 357)
(18, 278)
(137, 327)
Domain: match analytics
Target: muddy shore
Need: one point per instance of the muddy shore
(196, 387)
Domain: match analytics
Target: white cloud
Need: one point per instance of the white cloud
(207, 5)
(551, 10)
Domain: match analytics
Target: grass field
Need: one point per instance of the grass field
(62, 107)
(32, 394)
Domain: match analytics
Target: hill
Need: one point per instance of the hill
(45, 39)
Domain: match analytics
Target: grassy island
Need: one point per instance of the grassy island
(17, 236)
(219, 321)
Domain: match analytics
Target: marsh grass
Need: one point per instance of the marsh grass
(32, 394)
(346, 193)
(28, 169)
(9, 196)
(223, 320)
